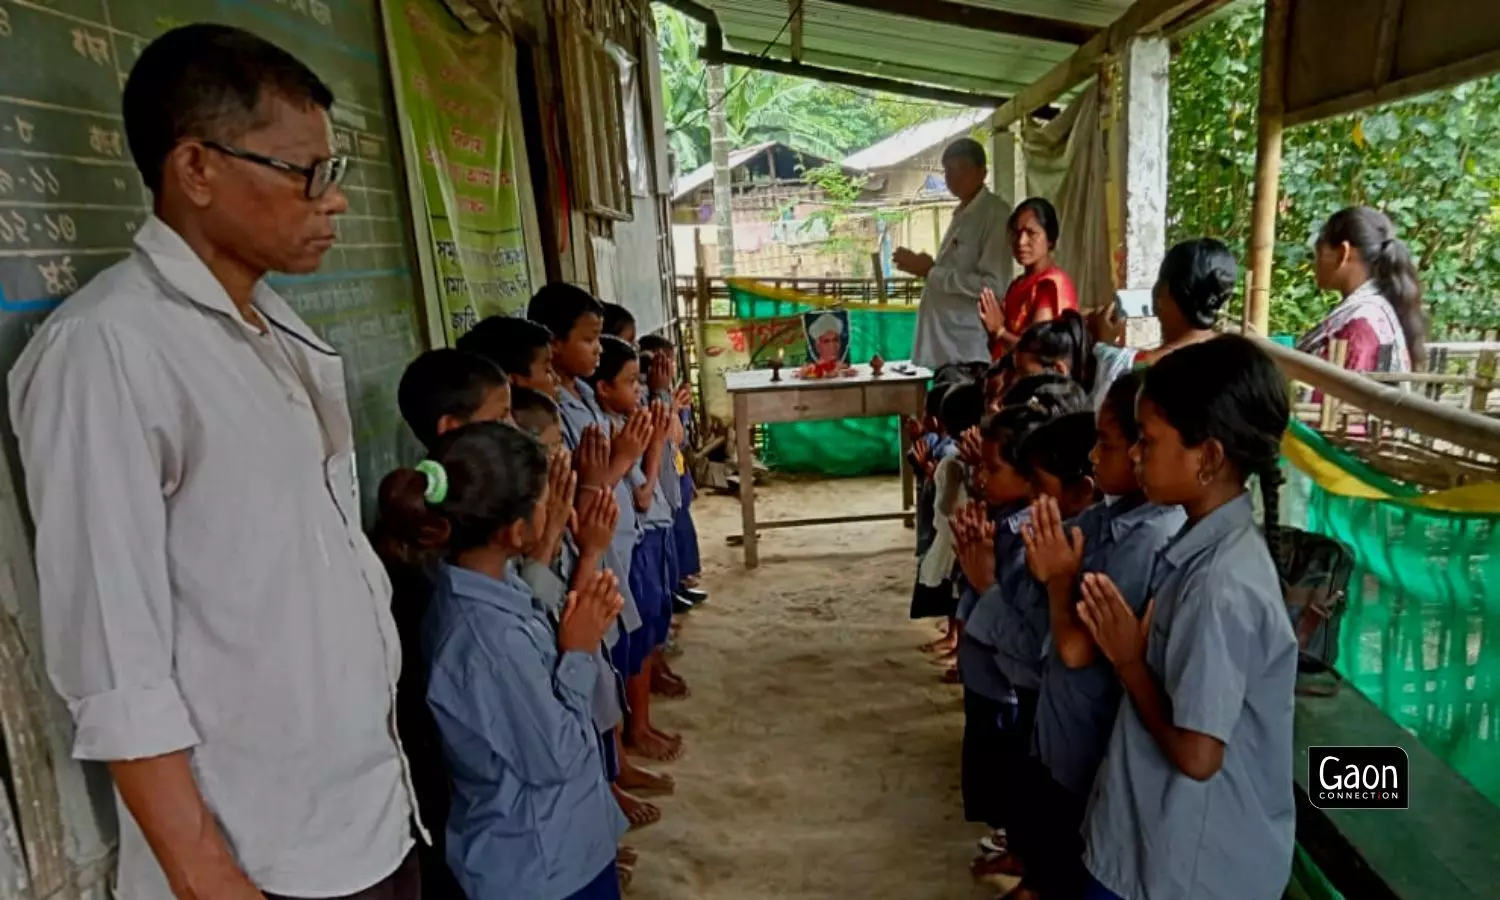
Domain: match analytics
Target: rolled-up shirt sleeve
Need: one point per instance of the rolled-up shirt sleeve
(93, 457)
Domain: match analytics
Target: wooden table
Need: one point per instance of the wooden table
(757, 399)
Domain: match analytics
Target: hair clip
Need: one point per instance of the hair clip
(437, 481)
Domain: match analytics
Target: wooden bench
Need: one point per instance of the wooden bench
(1446, 846)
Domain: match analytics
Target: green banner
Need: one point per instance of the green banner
(457, 101)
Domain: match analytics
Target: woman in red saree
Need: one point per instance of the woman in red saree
(1042, 293)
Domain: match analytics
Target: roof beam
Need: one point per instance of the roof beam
(796, 29)
(851, 79)
(1143, 17)
(979, 18)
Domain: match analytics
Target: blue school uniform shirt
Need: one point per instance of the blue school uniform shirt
(1009, 552)
(532, 815)
(1222, 646)
(579, 411)
(1077, 707)
(549, 586)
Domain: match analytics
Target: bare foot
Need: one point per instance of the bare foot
(1021, 892)
(626, 873)
(637, 812)
(666, 684)
(950, 676)
(645, 782)
(655, 746)
(690, 581)
(628, 855)
(993, 864)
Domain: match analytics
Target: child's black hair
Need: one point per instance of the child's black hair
(962, 408)
(1061, 448)
(932, 406)
(1200, 276)
(1227, 389)
(444, 382)
(654, 343)
(1058, 393)
(1032, 402)
(1002, 366)
(616, 319)
(533, 410)
(509, 342)
(954, 373)
(614, 354)
(558, 307)
(495, 475)
(1063, 339)
(1120, 401)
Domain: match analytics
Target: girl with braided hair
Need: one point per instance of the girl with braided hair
(1194, 797)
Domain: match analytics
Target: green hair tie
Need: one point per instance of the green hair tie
(437, 480)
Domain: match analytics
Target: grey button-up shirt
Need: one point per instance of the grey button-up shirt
(1222, 645)
(205, 584)
(1076, 709)
(975, 254)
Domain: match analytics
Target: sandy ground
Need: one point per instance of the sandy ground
(822, 753)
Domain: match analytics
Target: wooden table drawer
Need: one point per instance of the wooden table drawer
(894, 399)
(805, 405)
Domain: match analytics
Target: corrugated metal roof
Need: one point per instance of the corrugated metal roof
(894, 46)
(702, 175)
(705, 173)
(915, 140)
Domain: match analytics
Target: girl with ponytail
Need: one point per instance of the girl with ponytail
(1194, 797)
(1381, 316)
(510, 686)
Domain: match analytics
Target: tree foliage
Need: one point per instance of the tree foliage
(825, 120)
(1431, 163)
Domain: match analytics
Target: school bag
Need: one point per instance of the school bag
(1315, 572)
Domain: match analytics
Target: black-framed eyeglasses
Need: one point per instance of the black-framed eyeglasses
(321, 176)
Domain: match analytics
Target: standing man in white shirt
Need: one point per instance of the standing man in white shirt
(975, 254)
(211, 611)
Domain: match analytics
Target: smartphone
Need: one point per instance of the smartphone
(1133, 304)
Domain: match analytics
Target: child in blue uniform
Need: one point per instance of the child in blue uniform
(603, 460)
(1194, 797)
(520, 347)
(676, 481)
(440, 390)
(510, 689)
(616, 385)
(1079, 693)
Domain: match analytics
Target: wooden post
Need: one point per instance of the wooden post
(1484, 382)
(1328, 410)
(1267, 165)
(700, 337)
(879, 270)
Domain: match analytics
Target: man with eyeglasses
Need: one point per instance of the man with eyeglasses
(211, 611)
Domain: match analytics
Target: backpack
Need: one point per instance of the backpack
(1315, 572)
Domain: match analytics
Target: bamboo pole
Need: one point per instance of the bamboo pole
(1403, 409)
(1267, 165)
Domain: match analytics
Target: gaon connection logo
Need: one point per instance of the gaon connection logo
(1357, 777)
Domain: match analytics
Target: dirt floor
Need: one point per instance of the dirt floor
(822, 753)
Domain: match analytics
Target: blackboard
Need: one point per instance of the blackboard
(70, 199)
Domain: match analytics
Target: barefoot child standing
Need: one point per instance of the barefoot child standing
(1194, 798)
(616, 385)
(511, 691)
